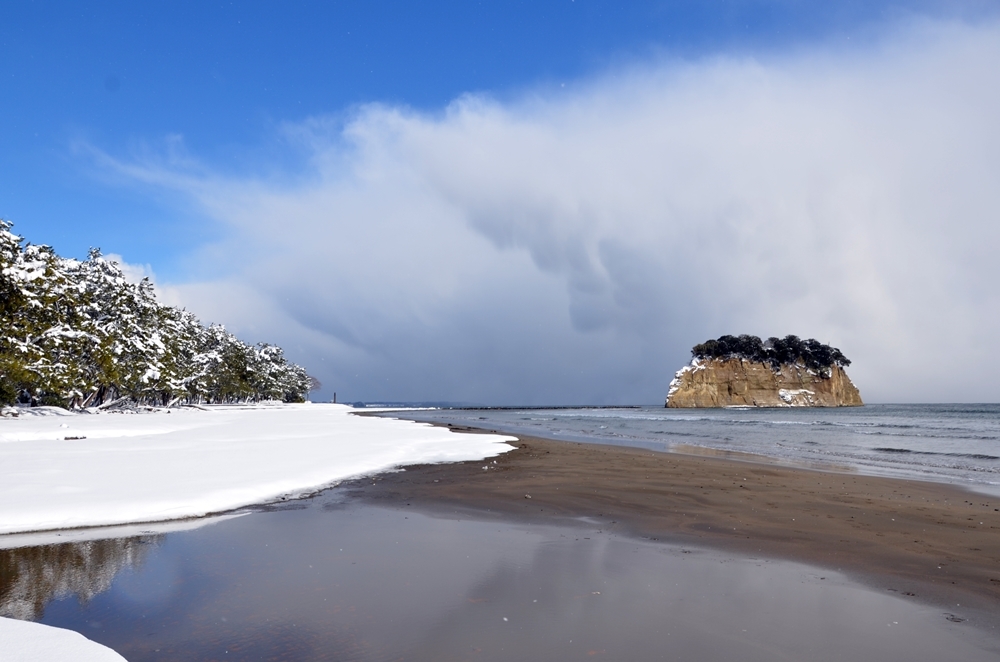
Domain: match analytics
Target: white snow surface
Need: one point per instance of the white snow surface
(102, 469)
(675, 383)
(87, 534)
(23, 641)
(796, 397)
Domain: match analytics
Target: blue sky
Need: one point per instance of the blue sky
(125, 75)
(147, 129)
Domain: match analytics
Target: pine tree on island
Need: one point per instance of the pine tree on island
(745, 371)
(775, 351)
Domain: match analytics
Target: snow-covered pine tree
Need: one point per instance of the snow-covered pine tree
(78, 334)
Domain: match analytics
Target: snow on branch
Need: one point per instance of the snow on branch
(78, 334)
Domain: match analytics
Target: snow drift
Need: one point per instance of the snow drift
(33, 642)
(77, 470)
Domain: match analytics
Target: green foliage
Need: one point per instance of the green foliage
(76, 333)
(776, 351)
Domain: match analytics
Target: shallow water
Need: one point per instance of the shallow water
(946, 443)
(328, 579)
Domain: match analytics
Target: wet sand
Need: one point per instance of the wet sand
(332, 578)
(930, 542)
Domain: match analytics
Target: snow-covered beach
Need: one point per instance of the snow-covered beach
(66, 470)
(61, 470)
(141, 589)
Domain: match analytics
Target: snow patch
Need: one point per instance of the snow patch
(797, 397)
(157, 466)
(24, 641)
(675, 384)
(60, 536)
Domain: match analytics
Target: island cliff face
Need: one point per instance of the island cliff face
(735, 382)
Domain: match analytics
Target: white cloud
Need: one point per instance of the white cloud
(133, 273)
(572, 246)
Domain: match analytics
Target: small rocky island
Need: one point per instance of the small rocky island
(744, 371)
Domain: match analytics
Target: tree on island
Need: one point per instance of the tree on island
(776, 351)
(78, 334)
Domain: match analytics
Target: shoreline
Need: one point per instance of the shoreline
(944, 443)
(932, 542)
(77, 470)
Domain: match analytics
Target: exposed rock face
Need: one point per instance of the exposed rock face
(739, 382)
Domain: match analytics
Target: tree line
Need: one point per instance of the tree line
(775, 351)
(76, 333)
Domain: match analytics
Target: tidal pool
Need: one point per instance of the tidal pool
(329, 578)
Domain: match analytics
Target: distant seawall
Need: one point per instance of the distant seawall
(734, 382)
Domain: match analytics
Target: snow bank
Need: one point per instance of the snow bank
(33, 642)
(88, 534)
(102, 469)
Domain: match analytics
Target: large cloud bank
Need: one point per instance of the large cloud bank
(570, 245)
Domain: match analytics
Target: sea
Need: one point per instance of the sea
(951, 443)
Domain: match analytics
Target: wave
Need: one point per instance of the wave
(971, 456)
(928, 435)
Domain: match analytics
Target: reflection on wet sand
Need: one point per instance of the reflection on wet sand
(31, 577)
(330, 580)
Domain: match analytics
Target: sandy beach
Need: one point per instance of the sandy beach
(552, 550)
(930, 542)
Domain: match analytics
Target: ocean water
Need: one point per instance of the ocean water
(943, 442)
